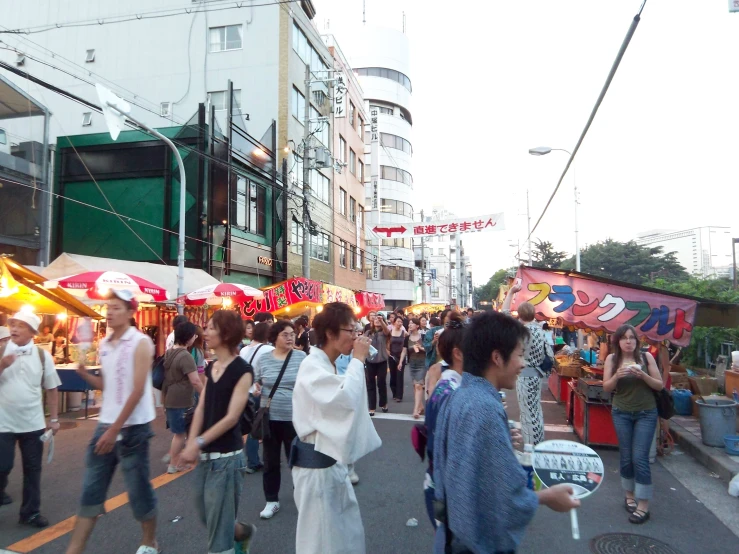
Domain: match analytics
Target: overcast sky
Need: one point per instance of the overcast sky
(493, 78)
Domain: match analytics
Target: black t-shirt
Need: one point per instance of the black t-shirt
(217, 398)
(304, 342)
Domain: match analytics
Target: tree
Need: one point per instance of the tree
(544, 255)
(629, 262)
(489, 291)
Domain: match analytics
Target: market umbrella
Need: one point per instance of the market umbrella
(220, 293)
(96, 285)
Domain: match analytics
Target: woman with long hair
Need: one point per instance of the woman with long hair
(415, 354)
(302, 341)
(198, 353)
(633, 378)
(377, 365)
(396, 354)
(215, 436)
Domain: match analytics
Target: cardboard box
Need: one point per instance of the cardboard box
(678, 369)
(703, 385)
(696, 408)
(679, 380)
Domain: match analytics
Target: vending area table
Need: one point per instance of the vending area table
(591, 419)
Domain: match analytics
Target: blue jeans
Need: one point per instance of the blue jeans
(218, 491)
(252, 453)
(635, 431)
(132, 452)
(176, 420)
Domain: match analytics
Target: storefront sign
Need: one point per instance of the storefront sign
(287, 293)
(333, 293)
(376, 266)
(596, 305)
(264, 261)
(493, 222)
(340, 96)
(375, 160)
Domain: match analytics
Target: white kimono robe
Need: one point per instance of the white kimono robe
(332, 412)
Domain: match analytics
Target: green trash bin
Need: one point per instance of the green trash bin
(717, 419)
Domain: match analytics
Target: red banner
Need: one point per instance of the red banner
(603, 306)
(369, 301)
(287, 293)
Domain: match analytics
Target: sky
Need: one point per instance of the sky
(493, 78)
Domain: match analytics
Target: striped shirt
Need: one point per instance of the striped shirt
(267, 370)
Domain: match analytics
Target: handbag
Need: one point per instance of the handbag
(246, 422)
(157, 373)
(663, 398)
(260, 429)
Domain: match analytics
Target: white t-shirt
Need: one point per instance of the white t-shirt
(170, 341)
(251, 351)
(117, 370)
(21, 410)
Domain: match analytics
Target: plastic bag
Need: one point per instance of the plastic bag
(734, 486)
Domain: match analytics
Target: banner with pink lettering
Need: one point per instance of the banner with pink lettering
(590, 304)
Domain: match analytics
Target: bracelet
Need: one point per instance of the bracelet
(53, 421)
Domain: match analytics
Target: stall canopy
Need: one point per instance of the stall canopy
(591, 302)
(21, 287)
(290, 297)
(163, 275)
(335, 293)
(369, 301)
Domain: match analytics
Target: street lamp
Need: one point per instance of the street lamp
(543, 151)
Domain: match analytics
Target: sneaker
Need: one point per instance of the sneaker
(270, 510)
(353, 477)
(166, 459)
(5, 500)
(173, 469)
(243, 545)
(35, 521)
(253, 469)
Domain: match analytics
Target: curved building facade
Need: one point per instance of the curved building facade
(380, 59)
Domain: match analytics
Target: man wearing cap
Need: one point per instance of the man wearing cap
(24, 371)
(123, 432)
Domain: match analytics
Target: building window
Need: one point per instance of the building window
(90, 56)
(218, 99)
(394, 141)
(250, 206)
(361, 217)
(298, 105)
(398, 243)
(342, 149)
(342, 201)
(360, 128)
(352, 112)
(441, 252)
(225, 38)
(385, 73)
(319, 247)
(352, 209)
(165, 109)
(321, 186)
(342, 253)
(382, 109)
(397, 207)
(360, 171)
(87, 119)
(352, 257)
(296, 238)
(309, 55)
(297, 172)
(352, 162)
(394, 273)
(360, 260)
(396, 174)
(435, 293)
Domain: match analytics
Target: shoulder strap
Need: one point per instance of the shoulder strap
(251, 362)
(279, 377)
(42, 359)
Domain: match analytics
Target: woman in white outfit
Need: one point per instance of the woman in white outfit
(333, 426)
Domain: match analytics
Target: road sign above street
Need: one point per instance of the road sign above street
(491, 222)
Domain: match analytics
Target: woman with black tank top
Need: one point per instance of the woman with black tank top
(215, 436)
(396, 346)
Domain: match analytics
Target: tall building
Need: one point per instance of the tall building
(350, 119)
(166, 67)
(702, 251)
(381, 60)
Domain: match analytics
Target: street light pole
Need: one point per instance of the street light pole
(528, 225)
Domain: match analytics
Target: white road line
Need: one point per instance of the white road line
(558, 428)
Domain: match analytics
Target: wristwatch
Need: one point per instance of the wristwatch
(200, 441)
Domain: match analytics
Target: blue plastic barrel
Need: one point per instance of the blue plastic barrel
(681, 398)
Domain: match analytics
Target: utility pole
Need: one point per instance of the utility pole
(423, 263)
(733, 255)
(307, 150)
(528, 220)
(577, 236)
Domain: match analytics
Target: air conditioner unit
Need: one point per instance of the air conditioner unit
(323, 157)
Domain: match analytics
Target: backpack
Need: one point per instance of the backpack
(157, 373)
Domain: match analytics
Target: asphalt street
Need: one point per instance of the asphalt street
(389, 493)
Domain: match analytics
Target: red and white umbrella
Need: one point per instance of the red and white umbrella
(221, 293)
(96, 285)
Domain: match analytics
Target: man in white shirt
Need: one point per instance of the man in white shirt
(24, 370)
(123, 432)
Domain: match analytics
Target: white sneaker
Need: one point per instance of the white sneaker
(270, 510)
(353, 477)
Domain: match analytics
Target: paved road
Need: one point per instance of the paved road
(389, 493)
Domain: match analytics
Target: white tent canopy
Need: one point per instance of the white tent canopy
(163, 275)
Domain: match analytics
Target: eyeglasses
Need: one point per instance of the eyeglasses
(287, 336)
(353, 331)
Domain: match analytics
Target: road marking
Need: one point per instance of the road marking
(558, 428)
(398, 417)
(63, 527)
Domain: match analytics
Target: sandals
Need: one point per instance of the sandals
(639, 517)
(385, 410)
(372, 414)
(630, 505)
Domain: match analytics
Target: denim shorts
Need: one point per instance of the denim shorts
(131, 451)
(176, 420)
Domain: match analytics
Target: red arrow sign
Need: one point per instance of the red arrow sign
(390, 230)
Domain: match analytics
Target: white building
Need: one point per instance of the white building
(703, 251)
(380, 58)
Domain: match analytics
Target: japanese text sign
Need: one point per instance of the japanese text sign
(333, 293)
(292, 291)
(340, 96)
(596, 305)
(492, 222)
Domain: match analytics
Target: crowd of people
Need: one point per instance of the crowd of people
(317, 385)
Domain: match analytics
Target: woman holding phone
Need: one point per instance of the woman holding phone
(633, 377)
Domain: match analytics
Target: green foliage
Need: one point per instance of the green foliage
(705, 341)
(629, 262)
(544, 255)
(489, 291)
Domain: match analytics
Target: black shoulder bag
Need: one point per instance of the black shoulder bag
(665, 404)
(260, 429)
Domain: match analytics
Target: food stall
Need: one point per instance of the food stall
(369, 302)
(288, 298)
(594, 303)
(418, 309)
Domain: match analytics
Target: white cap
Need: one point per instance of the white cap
(4, 332)
(30, 319)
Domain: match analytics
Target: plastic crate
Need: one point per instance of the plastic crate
(732, 444)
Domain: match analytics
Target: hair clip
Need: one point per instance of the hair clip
(454, 324)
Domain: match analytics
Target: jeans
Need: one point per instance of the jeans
(252, 453)
(132, 452)
(218, 492)
(282, 434)
(635, 431)
(376, 374)
(32, 452)
(176, 420)
(396, 378)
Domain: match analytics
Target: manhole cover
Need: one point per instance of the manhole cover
(626, 543)
(64, 425)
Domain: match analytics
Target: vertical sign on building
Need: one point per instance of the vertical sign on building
(733, 6)
(340, 96)
(375, 176)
